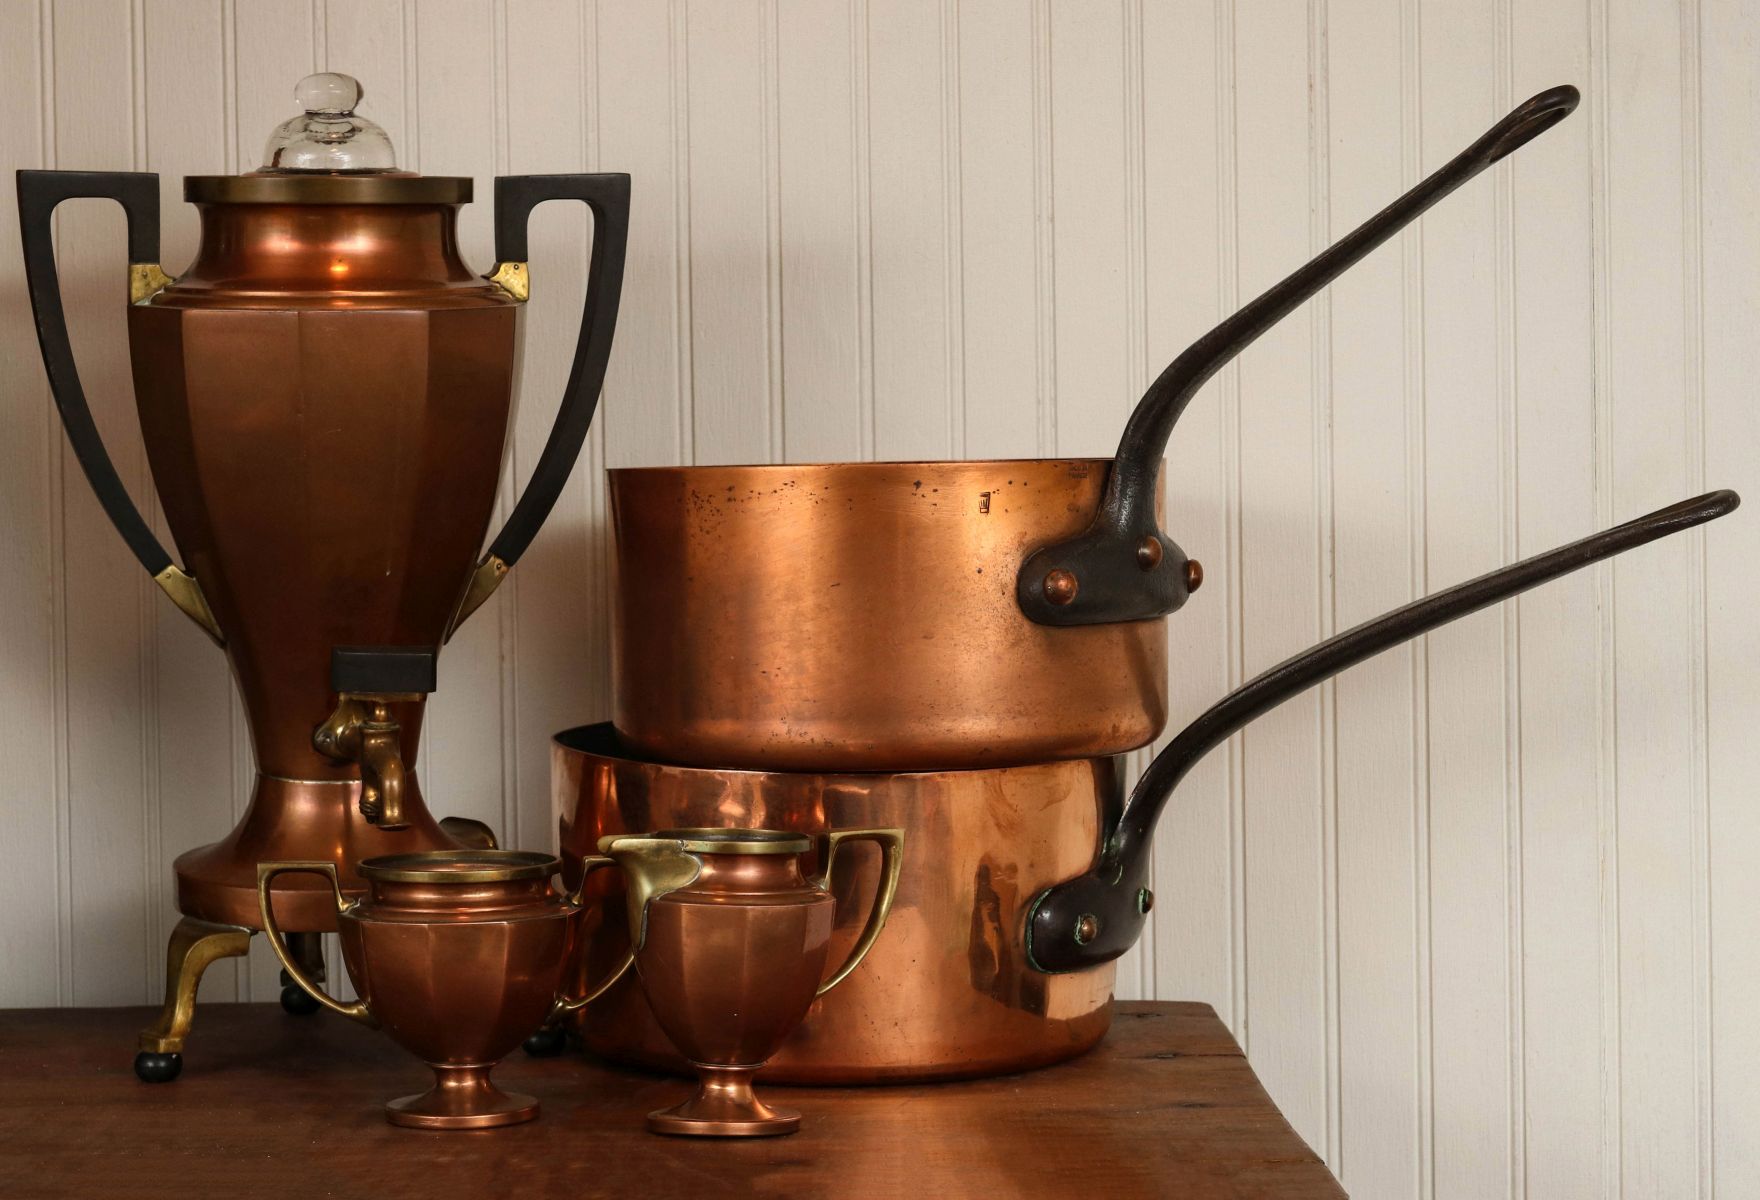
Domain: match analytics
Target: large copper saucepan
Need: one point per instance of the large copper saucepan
(926, 616)
(1020, 885)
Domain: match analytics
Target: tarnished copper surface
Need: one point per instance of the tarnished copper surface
(458, 957)
(862, 616)
(324, 395)
(947, 991)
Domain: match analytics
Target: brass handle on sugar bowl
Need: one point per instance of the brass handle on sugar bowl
(356, 1010)
(891, 843)
(577, 900)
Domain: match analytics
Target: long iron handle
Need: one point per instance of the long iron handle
(1097, 916)
(39, 192)
(1123, 567)
(515, 197)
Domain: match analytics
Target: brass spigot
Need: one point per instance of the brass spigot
(363, 731)
(368, 681)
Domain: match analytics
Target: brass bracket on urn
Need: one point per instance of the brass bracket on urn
(369, 680)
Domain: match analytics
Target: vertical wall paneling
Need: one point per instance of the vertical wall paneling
(1280, 573)
(1464, 415)
(907, 131)
(1181, 253)
(184, 49)
(108, 607)
(1652, 459)
(1373, 502)
(32, 689)
(1553, 329)
(1481, 909)
(999, 318)
(820, 326)
(559, 657)
(1729, 259)
(729, 232)
(643, 129)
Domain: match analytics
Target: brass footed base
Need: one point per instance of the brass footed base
(724, 1106)
(462, 1098)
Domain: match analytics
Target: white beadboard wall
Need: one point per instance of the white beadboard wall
(1482, 910)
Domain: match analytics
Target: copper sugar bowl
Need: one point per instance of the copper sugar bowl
(730, 940)
(324, 395)
(457, 955)
(930, 616)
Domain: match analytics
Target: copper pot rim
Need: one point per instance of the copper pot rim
(602, 741)
(703, 839)
(459, 866)
(890, 464)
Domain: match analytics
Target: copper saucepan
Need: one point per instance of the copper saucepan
(925, 616)
(1020, 885)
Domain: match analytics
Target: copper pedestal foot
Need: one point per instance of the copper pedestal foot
(462, 1098)
(724, 1106)
(194, 946)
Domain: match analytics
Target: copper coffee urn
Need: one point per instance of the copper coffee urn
(324, 394)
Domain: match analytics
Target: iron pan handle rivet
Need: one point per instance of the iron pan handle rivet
(1087, 928)
(1060, 586)
(1194, 575)
(1149, 553)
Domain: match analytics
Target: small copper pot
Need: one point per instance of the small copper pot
(731, 939)
(458, 955)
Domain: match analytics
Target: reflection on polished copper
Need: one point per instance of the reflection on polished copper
(731, 949)
(457, 955)
(324, 395)
(862, 617)
(947, 991)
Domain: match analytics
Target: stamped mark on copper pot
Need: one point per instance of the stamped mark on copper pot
(983, 502)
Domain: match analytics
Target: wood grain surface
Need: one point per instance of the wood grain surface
(277, 1106)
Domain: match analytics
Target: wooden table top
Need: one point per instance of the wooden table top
(277, 1106)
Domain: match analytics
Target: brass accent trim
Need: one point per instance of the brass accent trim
(723, 841)
(653, 866)
(513, 278)
(564, 1005)
(146, 280)
(355, 1010)
(487, 577)
(470, 833)
(195, 946)
(389, 188)
(186, 593)
(459, 866)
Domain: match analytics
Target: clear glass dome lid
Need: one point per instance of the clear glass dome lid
(328, 138)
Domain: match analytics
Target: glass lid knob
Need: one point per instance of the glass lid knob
(328, 136)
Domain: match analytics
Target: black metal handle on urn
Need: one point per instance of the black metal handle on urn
(1123, 567)
(39, 193)
(1096, 917)
(515, 196)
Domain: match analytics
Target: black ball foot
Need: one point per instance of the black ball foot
(548, 1042)
(296, 1002)
(157, 1068)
